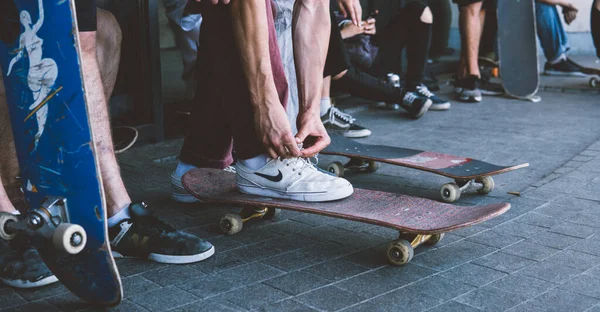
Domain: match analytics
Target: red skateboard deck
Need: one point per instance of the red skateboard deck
(418, 219)
(468, 173)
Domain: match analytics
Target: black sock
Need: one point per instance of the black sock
(596, 28)
(417, 51)
(361, 84)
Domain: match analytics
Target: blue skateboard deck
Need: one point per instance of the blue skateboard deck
(49, 115)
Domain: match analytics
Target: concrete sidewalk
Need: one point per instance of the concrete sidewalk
(542, 255)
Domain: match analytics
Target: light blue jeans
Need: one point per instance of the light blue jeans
(187, 31)
(553, 37)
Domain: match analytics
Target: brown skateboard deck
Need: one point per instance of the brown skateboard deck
(419, 220)
(468, 173)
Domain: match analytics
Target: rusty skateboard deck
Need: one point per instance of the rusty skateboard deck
(419, 220)
(61, 181)
(468, 174)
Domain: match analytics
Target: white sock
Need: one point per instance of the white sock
(120, 216)
(182, 168)
(325, 105)
(16, 213)
(559, 59)
(255, 163)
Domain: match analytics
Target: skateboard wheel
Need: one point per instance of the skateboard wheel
(488, 185)
(450, 192)
(231, 223)
(6, 218)
(336, 168)
(70, 238)
(272, 213)
(435, 238)
(372, 166)
(400, 252)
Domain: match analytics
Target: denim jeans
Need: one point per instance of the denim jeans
(186, 30)
(553, 37)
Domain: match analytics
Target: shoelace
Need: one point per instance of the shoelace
(424, 91)
(410, 97)
(341, 115)
(298, 164)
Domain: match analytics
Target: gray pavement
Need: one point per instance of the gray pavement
(542, 255)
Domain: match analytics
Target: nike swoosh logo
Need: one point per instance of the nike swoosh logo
(275, 178)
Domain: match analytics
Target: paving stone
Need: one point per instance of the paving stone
(125, 306)
(452, 255)
(370, 258)
(67, 302)
(558, 211)
(551, 272)
(584, 285)
(590, 220)
(306, 257)
(329, 298)
(560, 300)
(136, 285)
(38, 293)
(530, 251)
(288, 306)
(473, 274)
(491, 299)
(163, 299)
(453, 306)
(575, 259)
(521, 284)
(254, 235)
(518, 229)
(255, 296)
(9, 299)
(208, 286)
(503, 262)
(249, 274)
(595, 271)
(335, 270)
(554, 240)
(297, 282)
(575, 230)
(407, 299)
(590, 246)
(537, 219)
(470, 230)
(382, 280)
(36, 306)
(172, 275)
(129, 266)
(493, 239)
(285, 227)
(441, 287)
(220, 261)
(224, 243)
(594, 309)
(527, 307)
(210, 306)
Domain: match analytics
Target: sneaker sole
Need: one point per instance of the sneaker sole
(308, 197)
(471, 99)
(169, 259)
(440, 107)
(357, 133)
(491, 93)
(179, 193)
(424, 109)
(564, 74)
(27, 284)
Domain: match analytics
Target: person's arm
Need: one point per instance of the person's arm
(251, 32)
(569, 10)
(311, 26)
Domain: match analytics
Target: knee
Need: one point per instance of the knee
(427, 16)
(108, 35)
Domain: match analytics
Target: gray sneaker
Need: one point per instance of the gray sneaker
(24, 268)
(469, 89)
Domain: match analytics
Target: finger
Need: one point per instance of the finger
(315, 148)
(343, 10)
(226, 1)
(355, 17)
(358, 11)
(271, 152)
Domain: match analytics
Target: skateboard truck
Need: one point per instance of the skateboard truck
(48, 222)
(401, 251)
(451, 191)
(232, 223)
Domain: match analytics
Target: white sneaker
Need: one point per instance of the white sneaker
(293, 178)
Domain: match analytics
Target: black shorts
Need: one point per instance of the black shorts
(86, 15)
(486, 3)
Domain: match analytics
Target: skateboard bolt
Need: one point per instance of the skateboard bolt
(35, 221)
(76, 239)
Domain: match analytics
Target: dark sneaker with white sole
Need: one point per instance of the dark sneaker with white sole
(468, 89)
(147, 237)
(565, 67)
(24, 268)
(437, 103)
(415, 104)
(337, 121)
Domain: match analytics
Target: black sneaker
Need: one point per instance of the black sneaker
(145, 236)
(468, 89)
(338, 121)
(490, 88)
(565, 67)
(437, 103)
(24, 268)
(415, 104)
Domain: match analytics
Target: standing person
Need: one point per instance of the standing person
(595, 21)
(440, 33)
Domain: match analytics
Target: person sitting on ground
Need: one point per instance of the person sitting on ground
(100, 52)
(553, 37)
(242, 96)
(356, 52)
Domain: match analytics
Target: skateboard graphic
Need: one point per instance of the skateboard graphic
(419, 220)
(66, 220)
(468, 174)
(518, 66)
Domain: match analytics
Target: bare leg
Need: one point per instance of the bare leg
(470, 29)
(114, 188)
(108, 48)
